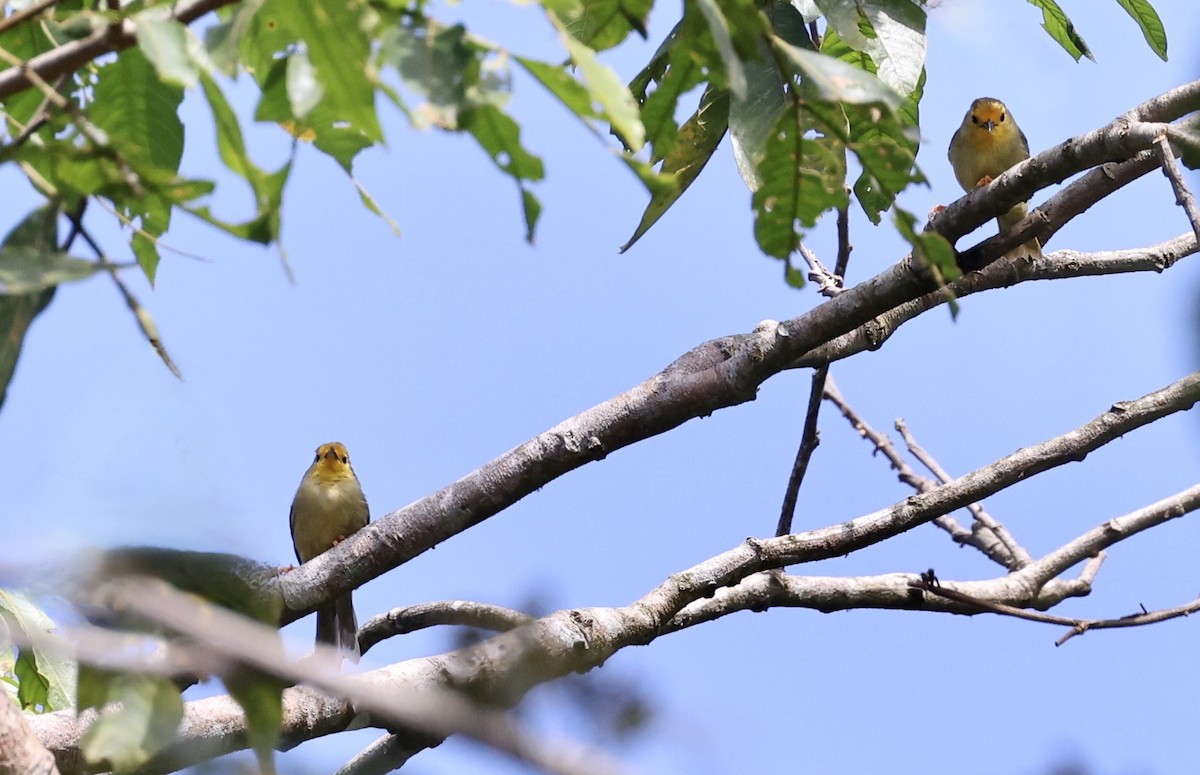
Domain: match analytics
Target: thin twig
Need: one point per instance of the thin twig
(809, 440)
(844, 246)
(992, 547)
(1183, 197)
(1078, 626)
(1020, 556)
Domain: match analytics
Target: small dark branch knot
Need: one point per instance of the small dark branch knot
(1121, 407)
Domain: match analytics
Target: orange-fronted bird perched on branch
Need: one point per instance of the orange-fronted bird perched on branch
(329, 506)
(986, 144)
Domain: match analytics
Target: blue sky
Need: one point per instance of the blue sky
(431, 353)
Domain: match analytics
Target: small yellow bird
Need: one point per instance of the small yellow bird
(988, 143)
(328, 507)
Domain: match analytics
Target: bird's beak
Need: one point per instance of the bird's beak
(331, 454)
(989, 125)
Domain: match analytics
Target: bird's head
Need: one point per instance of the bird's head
(332, 462)
(988, 114)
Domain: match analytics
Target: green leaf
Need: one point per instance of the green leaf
(801, 178)
(126, 736)
(136, 103)
(38, 231)
(1055, 22)
(606, 89)
(501, 138)
(601, 24)
(138, 110)
(698, 140)
(164, 42)
(1152, 27)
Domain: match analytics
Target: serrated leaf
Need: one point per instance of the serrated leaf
(1152, 27)
(698, 139)
(164, 42)
(1062, 29)
(801, 178)
(139, 110)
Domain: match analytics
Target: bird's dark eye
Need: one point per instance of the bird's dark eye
(1002, 117)
(974, 119)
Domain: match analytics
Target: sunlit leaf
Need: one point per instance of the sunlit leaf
(698, 139)
(1062, 29)
(1152, 27)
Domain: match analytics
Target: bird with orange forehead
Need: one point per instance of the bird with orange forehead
(986, 144)
(330, 506)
